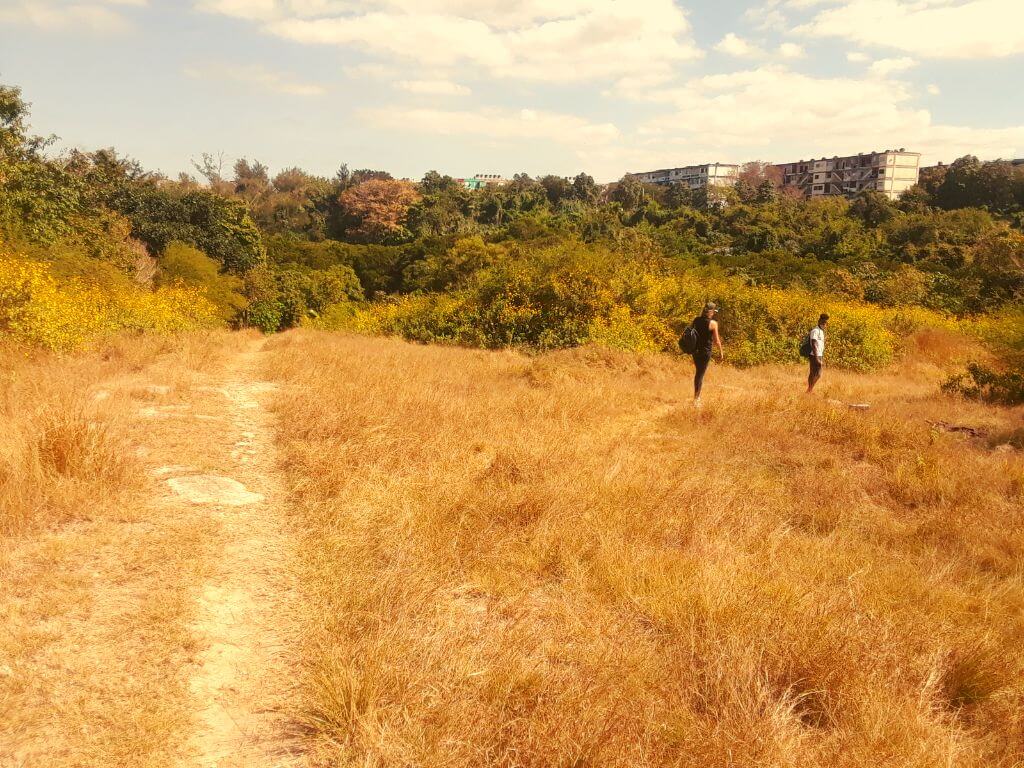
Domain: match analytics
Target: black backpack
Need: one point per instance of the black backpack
(805, 346)
(688, 341)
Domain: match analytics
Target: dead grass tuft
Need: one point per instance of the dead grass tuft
(74, 445)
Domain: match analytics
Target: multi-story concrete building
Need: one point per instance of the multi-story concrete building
(694, 176)
(891, 172)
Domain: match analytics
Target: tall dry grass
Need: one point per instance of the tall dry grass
(65, 447)
(97, 586)
(555, 561)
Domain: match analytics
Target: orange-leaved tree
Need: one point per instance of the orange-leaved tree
(378, 209)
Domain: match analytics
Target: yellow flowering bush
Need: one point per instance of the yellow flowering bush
(621, 329)
(419, 317)
(1002, 330)
(643, 313)
(37, 308)
(574, 294)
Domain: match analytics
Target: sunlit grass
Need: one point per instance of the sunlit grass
(557, 561)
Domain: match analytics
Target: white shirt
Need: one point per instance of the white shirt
(818, 341)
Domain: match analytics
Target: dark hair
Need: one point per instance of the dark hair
(823, 318)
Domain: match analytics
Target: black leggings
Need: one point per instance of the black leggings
(701, 362)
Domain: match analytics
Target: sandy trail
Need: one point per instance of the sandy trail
(241, 682)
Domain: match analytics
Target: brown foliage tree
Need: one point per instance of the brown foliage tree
(756, 171)
(378, 209)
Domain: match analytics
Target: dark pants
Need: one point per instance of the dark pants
(701, 362)
(815, 374)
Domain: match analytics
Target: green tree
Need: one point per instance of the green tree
(453, 267)
(629, 193)
(873, 208)
(264, 309)
(583, 188)
(219, 226)
(14, 139)
(557, 188)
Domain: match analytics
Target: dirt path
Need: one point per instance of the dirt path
(240, 683)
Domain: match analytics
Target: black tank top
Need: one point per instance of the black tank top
(703, 327)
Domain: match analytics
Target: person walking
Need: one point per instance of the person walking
(817, 356)
(706, 328)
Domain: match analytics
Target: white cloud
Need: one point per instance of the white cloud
(634, 49)
(734, 45)
(791, 51)
(767, 16)
(933, 89)
(370, 71)
(246, 9)
(777, 114)
(886, 67)
(549, 40)
(433, 87)
(972, 29)
(496, 124)
(255, 75)
(100, 16)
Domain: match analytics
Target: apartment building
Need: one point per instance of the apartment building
(891, 172)
(694, 176)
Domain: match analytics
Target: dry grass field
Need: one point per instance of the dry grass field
(330, 550)
(97, 581)
(557, 561)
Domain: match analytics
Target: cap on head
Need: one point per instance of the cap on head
(711, 307)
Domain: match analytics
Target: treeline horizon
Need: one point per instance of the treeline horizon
(539, 261)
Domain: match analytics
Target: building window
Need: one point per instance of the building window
(819, 187)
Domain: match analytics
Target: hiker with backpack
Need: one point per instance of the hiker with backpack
(699, 340)
(813, 348)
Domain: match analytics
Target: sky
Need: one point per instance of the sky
(508, 86)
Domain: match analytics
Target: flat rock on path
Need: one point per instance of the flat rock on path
(213, 489)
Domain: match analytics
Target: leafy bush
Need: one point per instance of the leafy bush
(184, 265)
(981, 382)
(218, 226)
(264, 310)
(434, 318)
(575, 294)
